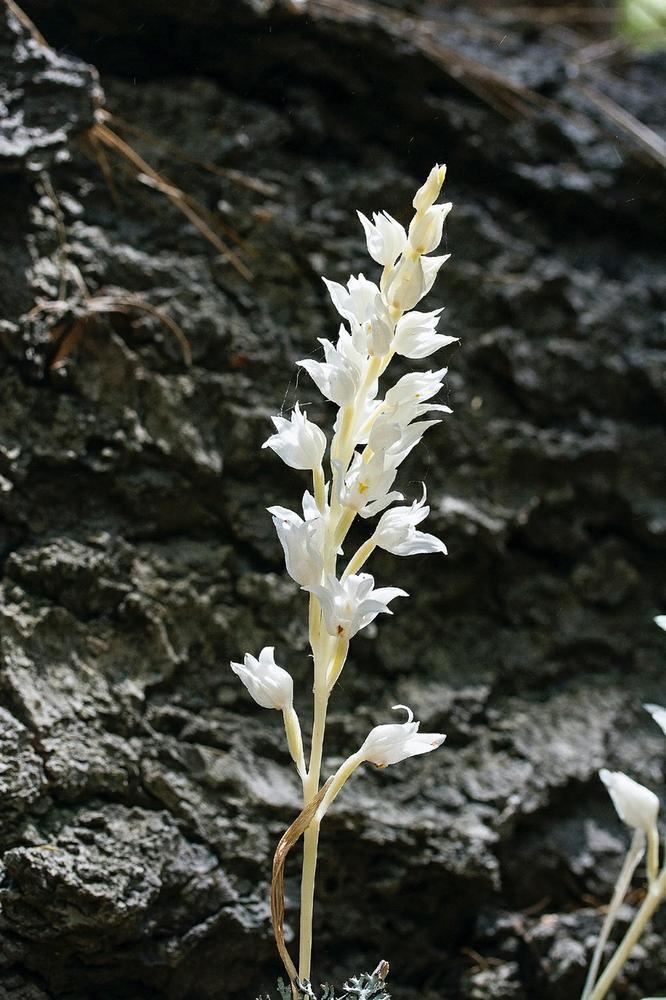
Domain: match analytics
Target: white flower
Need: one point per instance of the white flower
(428, 193)
(425, 231)
(391, 743)
(392, 433)
(339, 376)
(397, 533)
(299, 443)
(636, 805)
(660, 620)
(302, 541)
(367, 484)
(658, 714)
(358, 301)
(415, 335)
(269, 684)
(362, 304)
(349, 605)
(385, 237)
(416, 388)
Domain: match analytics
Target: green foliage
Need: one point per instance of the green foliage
(367, 986)
(644, 21)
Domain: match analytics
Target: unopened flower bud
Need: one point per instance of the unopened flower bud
(428, 193)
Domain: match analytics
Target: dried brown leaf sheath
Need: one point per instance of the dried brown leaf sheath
(287, 841)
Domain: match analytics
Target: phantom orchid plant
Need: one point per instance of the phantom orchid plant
(372, 434)
(638, 807)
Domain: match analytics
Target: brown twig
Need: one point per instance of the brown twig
(21, 15)
(148, 175)
(645, 137)
(255, 184)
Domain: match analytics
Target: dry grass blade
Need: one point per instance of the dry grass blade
(287, 841)
(557, 15)
(68, 333)
(194, 212)
(235, 176)
(69, 330)
(21, 15)
(510, 99)
(649, 141)
(131, 303)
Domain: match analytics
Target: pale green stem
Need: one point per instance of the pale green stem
(339, 523)
(655, 895)
(360, 557)
(314, 622)
(311, 837)
(319, 486)
(653, 854)
(634, 855)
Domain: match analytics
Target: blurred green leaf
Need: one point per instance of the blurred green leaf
(644, 21)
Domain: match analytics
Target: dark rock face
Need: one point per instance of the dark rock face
(142, 795)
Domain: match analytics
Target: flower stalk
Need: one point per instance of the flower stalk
(372, 436)
(638, 807)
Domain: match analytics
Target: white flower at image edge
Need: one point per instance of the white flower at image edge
(396, 531)
(393, 742)
(299, 443)
(635, 804)
(268, 683)
(349, 605)
(658, 713)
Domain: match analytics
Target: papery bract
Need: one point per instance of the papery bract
(431, 268)
(425, 232)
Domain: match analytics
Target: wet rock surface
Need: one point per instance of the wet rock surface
(142, 795)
